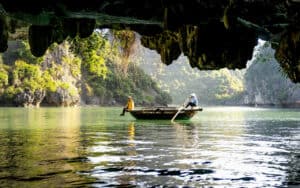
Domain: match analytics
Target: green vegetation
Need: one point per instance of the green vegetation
(100, 70)
(109, 78)
(93, 51)
(17, 78)
(212, 87)
(3, 77)
(27, 76)
(92, 69)
(136, 83)
(263, 82)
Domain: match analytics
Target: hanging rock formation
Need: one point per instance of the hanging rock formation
(212, 34)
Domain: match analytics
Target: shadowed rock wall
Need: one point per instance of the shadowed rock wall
(212, 34)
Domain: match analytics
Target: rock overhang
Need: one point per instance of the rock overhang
(212, 34)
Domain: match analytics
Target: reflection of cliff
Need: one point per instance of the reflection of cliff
(35, 146)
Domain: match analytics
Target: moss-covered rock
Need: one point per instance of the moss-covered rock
(63, 76)
(62, 97)
(27, 98)
(288, 53)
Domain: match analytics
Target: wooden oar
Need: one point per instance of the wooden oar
(179, 109)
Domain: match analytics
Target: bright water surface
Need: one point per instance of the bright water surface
(95, 147)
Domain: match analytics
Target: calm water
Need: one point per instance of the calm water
(95, 147)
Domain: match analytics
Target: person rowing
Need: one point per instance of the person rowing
(193, 101)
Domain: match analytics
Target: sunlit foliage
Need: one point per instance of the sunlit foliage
(27, 76)
(93, 52)
(92, 67)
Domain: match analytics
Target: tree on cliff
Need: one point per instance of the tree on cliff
(110, 77)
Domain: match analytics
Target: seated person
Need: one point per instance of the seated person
(193, 101)
(129, 106)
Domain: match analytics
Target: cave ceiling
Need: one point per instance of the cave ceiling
(212, 34)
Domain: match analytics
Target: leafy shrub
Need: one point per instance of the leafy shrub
(3, 78)
(27, 76)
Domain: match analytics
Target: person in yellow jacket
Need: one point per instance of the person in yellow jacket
(129, 106)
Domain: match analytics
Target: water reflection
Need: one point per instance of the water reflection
(35, 147)
(214, 152)
(80, 147)
(166, 154)
(278, 144)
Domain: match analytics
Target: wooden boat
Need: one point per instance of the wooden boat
(164, 113)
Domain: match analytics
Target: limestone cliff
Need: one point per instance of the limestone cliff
(265, 82)
(63, 78)
(50, 80)
(66, 74)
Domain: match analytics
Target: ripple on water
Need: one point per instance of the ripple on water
(223, 147)
(112, 174)
(101, 170)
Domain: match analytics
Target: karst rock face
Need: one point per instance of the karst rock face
(212, 34)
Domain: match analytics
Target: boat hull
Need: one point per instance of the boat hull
(164, 113)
